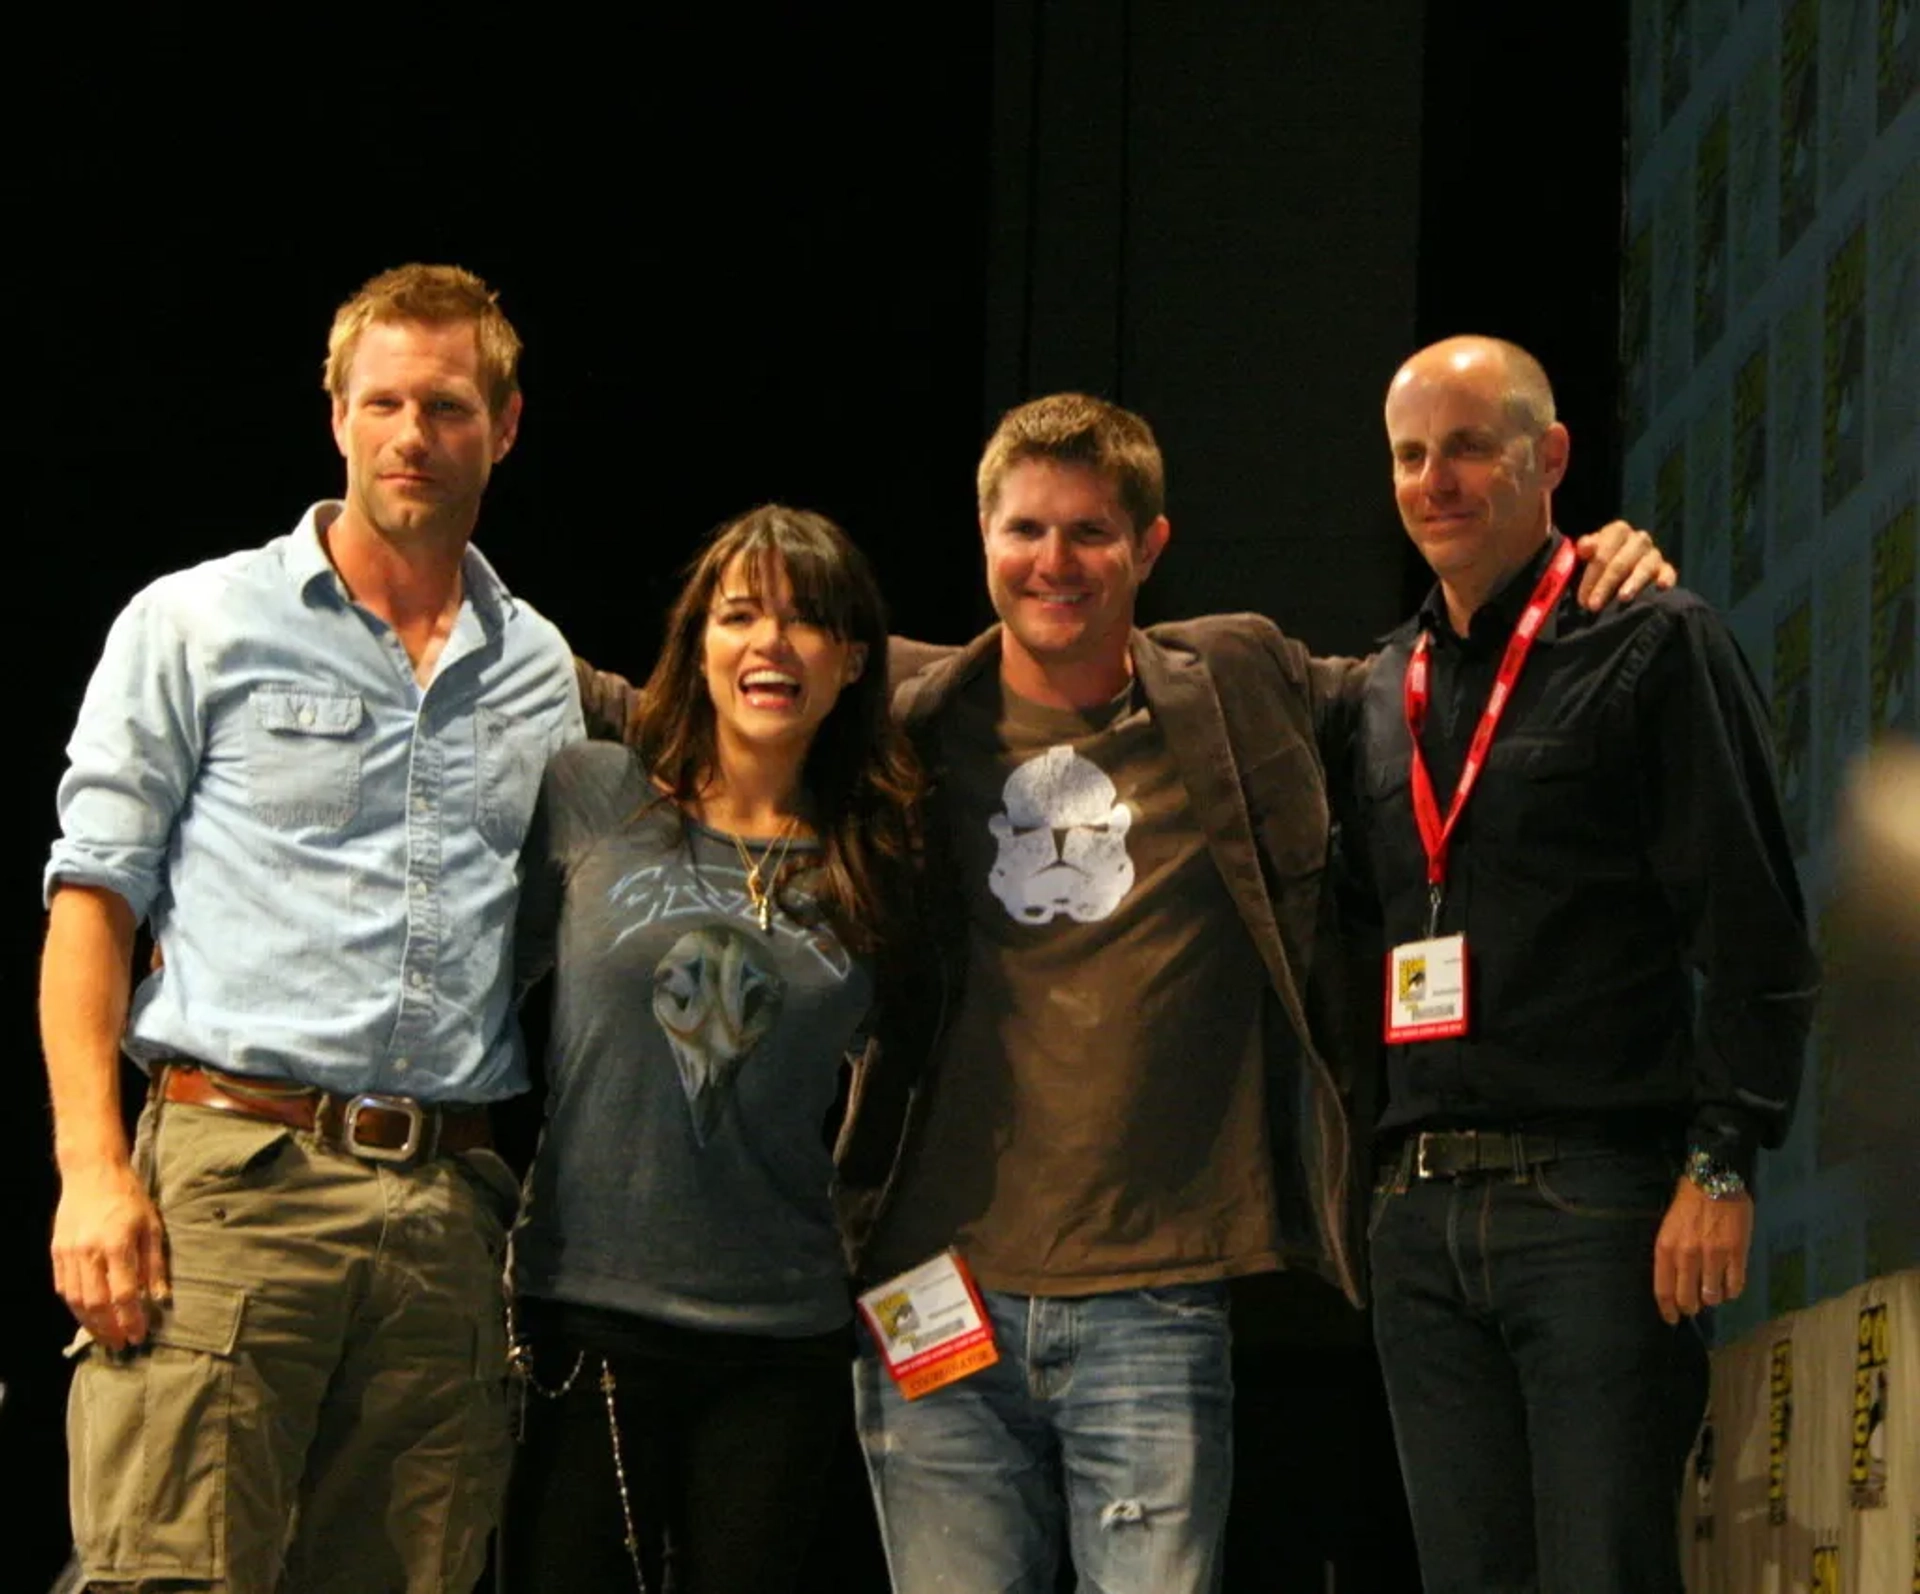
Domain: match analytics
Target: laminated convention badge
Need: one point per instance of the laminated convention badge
(1427, 990)
(929, 1325)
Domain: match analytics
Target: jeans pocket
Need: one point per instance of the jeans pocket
(1625, 1185)
(147, 1434)
(304, 756)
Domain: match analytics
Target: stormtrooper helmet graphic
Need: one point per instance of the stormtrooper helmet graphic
(1062, 841)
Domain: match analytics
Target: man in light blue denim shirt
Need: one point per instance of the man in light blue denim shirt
(309, 767)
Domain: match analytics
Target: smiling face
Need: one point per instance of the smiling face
(1473, 481)
(414, 428)
(1063, 565)
(772, 671)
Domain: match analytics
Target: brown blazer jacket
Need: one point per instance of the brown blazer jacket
(1246, 714)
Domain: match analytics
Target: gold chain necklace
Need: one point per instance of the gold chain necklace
(760, 888)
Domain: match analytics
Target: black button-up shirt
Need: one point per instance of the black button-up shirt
(1624, 836)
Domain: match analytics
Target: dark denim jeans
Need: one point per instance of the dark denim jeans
(1542, 1410)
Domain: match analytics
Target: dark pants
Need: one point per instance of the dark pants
(1542, 1410)
(727, 1442)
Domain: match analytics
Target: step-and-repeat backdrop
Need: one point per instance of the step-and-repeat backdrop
(1771, 345)
(1808, 1470)
(1771, 381)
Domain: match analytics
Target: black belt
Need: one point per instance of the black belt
(1471, 1153)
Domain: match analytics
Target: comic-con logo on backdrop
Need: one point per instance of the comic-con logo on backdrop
(1703, 1461)
(1779, 1427)
(1867, 1469)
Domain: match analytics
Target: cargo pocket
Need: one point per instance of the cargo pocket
(304, 755)
(147, 1438)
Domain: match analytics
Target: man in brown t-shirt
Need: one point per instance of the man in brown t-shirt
(1126, 1105)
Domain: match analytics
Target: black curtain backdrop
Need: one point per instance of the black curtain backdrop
(748, 254)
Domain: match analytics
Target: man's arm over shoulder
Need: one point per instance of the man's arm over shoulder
(1339, 687)
(609, 703)
(1719, 847)
(906, 658)
(1247, 651)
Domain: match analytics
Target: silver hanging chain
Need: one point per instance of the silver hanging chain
(607, 1389)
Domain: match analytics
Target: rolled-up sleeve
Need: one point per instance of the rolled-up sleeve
(132, 759)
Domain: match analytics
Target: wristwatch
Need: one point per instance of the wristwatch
(1718, 1181)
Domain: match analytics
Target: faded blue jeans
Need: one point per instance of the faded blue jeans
(1542, 1409)
(1108, 1416)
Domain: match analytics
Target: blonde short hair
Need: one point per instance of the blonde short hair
(435, 295)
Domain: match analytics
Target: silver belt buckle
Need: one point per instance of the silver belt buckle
(368, 1101)
(1420, 1168)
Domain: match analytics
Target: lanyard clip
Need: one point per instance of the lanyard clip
(1433, 911)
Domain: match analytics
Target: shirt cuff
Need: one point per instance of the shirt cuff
(1727, 1134)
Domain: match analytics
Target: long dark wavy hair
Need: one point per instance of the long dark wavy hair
(860, 776)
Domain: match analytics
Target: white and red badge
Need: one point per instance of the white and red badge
(1427, 990)
(930, 1325)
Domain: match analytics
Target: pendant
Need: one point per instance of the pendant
(760, 900)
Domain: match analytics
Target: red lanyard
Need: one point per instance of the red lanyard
(1435, 835)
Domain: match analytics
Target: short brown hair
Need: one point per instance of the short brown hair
(435, 295)
(1072, 428)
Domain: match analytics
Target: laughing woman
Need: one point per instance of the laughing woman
(711, 899)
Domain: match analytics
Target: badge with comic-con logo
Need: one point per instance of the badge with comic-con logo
(929, 1325)
(1427, 990)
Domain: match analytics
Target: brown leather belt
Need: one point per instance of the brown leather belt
(374, 1127)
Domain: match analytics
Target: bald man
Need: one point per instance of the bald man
(1565, 816)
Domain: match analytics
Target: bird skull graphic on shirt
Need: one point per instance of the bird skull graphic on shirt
(714, 1002)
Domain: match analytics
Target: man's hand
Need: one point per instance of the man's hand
(109, 1254)
(1619, 563)
(1700, 1258)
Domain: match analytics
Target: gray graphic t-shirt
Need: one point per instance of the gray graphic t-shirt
(683, 1171)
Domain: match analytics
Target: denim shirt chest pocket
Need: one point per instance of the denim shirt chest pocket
(304, 755)
(511, 756)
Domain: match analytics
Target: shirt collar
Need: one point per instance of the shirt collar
(1494, 620)
(310, 569)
